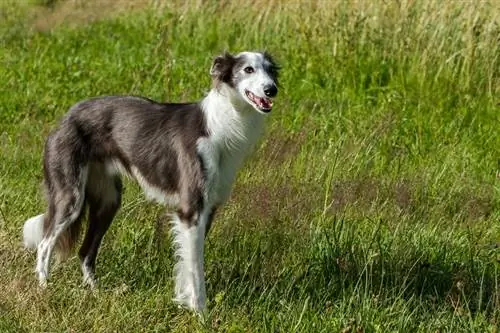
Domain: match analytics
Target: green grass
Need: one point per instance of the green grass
(371, 205)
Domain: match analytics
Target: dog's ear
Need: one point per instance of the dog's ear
(222, 67)
(273, 66)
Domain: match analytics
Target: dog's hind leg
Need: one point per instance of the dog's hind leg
(65, 208)
(104, 197)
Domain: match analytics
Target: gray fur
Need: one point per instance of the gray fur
(135, 132)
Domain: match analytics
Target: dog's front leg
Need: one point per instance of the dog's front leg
(189, 273)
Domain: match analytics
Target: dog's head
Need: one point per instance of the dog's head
(252, 77)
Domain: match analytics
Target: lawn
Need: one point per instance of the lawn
(372, 203)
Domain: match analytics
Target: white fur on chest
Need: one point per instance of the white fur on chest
(232, 135)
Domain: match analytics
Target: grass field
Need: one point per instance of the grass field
(372, 203)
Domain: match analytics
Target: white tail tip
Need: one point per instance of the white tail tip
(33, 232)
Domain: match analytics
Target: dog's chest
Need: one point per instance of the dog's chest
(222, 157)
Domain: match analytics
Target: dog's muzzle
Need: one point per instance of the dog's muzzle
(264, 104)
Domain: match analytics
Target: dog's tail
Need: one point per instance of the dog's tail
(68, 238)
(34, 230)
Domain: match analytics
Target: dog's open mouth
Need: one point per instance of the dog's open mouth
(262, 103)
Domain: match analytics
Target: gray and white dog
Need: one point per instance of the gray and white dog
(185, 155)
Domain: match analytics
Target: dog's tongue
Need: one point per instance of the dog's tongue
(265, 103)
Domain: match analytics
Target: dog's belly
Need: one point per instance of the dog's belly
(152, 192)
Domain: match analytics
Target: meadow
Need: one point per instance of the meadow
(372, 203)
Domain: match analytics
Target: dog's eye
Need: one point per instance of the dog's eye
(249, 70)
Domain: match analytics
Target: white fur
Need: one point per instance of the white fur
(88, 275)
(257, 80)
(232, 124)
(232, 134)
(33, 232)
(115, 167)
(189, 270)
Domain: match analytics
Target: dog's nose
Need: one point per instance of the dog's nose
(270, 90)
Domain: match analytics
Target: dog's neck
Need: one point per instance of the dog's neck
(232, 124)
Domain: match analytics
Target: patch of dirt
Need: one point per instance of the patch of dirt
(404, 195)
(479, 207)
(362, 192)
(280, 203)
(472, 205)
(279, 148)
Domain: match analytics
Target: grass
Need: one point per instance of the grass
(371, 205)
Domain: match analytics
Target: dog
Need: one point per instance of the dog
(184, 155)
